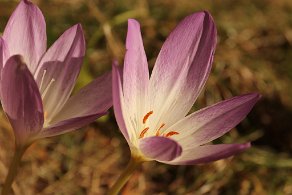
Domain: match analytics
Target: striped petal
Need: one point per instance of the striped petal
(21, 100)
(118, 103)
(214, 121)
(182, 68)
(160, 148)
(208, 153)
(94, 98)
(4, 53)
(25, 34)
(135, 84)
(59, 69)
(69, 125)
(3, 56)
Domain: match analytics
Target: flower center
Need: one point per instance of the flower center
(158, 131)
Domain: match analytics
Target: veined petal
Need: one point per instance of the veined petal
(212, 122)
(69, 125)
(135, 83)
(4, 53)
(94, 98)
(118, 103)
(59, 69)
(21, 100)
(25, 34)
(160, 148)
(3, 56)
(182, 67)
(208, 153)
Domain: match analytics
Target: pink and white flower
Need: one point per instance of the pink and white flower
(36, 84)
(152, 112)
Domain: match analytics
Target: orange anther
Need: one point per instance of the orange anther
(143, 132)
(147, 116)
(171, 133)
(158, 130)
(45, 114)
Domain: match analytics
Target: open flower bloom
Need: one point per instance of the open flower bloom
(36, 84)
(152, 112)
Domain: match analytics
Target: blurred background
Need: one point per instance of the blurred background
(253, 54)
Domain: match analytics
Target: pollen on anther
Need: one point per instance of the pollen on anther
(171, 133)
(147, 116)
(158, 130)
(143, 132)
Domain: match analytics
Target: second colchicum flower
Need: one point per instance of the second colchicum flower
(36, 84)
(152, 112)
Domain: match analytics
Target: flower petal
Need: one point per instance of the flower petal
(59, 69)
(21, 100)
(182, 67)
(212, 122)
(3, 53)
(94, 98)
(118, 103)
(160, 148)
(25, 34)
(208, 153)
(69, 125)
(135, 84)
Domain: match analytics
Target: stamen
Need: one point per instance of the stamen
(143, 132)
(42, 81)
(171, 133)
(147, 116)
(47, 88)
(45, 115)
(158, 130)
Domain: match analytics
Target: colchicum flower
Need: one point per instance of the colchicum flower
(152, 112)
(36, 84)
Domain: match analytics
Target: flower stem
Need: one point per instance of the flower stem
(125, 176)
(13, 169)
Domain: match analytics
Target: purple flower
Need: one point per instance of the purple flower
(152, 112)
(36, 84)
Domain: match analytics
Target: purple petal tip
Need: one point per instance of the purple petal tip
(115, 63)
(203, 14)
(79, 26)
(259, 96)
(242, 147)
(26, 2)
(255, 96)
(133, 22)
(207, 13)
(247, 145)
(19, 62)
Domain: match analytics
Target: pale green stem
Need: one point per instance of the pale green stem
(13, 169)
(125, 176)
